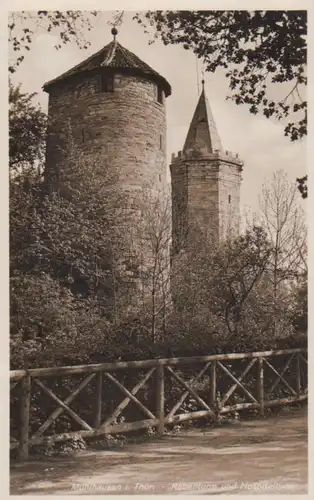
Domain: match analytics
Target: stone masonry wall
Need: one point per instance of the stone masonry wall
(229, 200)
(179, 189)
(127, 127)
(195, 199)
(210, 191)
(203, 199)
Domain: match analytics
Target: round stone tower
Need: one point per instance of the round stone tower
(114, 104)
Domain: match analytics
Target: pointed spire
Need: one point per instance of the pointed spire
(202, 136)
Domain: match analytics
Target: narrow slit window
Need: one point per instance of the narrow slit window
(159, 95)
(160, 141)
(107, 83)
(229, 198)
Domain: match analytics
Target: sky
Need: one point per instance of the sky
(260, 143)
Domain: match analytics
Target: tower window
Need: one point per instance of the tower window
(229, 198)
(160, 141)
(159, 95)
(106, 83)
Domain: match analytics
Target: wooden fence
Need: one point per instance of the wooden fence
(231, 382)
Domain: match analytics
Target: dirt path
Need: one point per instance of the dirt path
(265, 457)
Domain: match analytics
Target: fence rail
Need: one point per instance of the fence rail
(257, 377)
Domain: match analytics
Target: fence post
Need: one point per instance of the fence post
(260, 384)
(98, 400)
(24, 417)
(298, 375)
(212, 394)
(160, 399)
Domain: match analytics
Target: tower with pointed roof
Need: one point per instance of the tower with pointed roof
(205, 182)
(113, 103)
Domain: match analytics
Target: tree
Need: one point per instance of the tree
(225, 293)
(68, 25)
(49, 325)
(300, 311)
(27, 130)
(239, 267)
(151, 235)
(256, 49)
(24, 191)
(50, 320)
(66, 248)
(302, 185)
(78, 229)
(283, 220)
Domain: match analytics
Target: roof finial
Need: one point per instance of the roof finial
(203, 83)
(109, 55)
(114, 32)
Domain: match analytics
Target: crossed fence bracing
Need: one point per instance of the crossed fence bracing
(86, 399)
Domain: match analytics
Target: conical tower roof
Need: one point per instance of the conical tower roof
(113, 56)
(202, 136)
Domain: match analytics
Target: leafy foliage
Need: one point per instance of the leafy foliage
(68, 25)
(300, 312)
(68, 297)
(302, 186)
(66, 278)
(49, 325)
(256, 49)
(226, 296)
(27, 130)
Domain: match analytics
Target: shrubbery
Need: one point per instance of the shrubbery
(70, 302)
